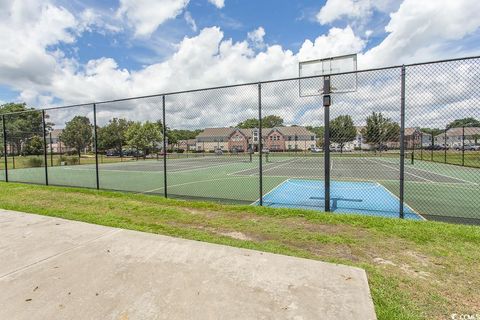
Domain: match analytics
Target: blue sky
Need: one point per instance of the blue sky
(287, 23)
(62, 51)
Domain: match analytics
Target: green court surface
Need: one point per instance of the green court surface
(433, 190)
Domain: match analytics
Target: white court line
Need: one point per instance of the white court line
(177, 170)
(447, 176)
(280, 165)
(193, 182)
(382, 164)
(278, 186)
(264, 170)
(393, 195)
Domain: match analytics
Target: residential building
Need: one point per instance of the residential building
(456, 137)
(274, 139)
(187, 145)
(54, 144)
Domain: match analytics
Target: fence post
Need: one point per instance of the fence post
(164, 127)
(402, 143)
(463, 145)
(260, 145)
(4, 127)
(51, 148)
(445, 146)
(326, 140)
(413, 146)
(421, 145)
(95, 142)
(45, 151)
(432, 146)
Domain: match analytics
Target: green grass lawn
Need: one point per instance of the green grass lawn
(469, 159)
(54, 160)
(416, 270)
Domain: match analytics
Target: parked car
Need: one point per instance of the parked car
(218, 152)
(382, 147)
(112, 153)
(469, 147)
(236, 150)
(474, 147)
(338, 149)
(316, 150)
(434, 147)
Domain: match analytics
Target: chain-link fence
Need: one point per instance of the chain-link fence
(403, 142)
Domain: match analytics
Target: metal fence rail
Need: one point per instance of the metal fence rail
(405, 143)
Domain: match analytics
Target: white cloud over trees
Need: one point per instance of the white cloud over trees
(41, 75)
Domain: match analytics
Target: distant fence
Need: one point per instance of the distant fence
(405, 143)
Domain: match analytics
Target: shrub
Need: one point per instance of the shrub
(35, 162)
(73, 160)
(67, 160)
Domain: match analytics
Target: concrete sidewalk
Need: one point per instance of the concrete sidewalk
(59, 269)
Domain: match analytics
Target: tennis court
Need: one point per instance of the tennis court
(360, 184)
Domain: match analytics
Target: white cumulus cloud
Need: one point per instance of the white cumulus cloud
(217, 3)
(423, 31)
(145, 16)
(359, 10)
(256, 37)
(40, 74)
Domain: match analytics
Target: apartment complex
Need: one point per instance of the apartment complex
(274, 139)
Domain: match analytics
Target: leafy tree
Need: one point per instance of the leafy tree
(183, 134)
(318, 133)
(465, 122)
(34, 146)
(144, 137)
(23, 125)
(342, 130)
(433, 132)
(380, 129)
(77, 134)
(249, 123)
(112, 135)
(175, 135)
(476, 137)
(270, 121)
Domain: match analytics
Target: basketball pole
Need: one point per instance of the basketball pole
(326, 138)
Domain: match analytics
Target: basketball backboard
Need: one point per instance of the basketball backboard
(341, 70)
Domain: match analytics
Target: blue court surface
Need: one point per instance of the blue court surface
(368, 198)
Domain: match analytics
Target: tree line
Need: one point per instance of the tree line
(25, 131)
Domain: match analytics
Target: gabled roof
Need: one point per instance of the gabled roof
(411, 131)
(56, 133)
(227, 132)
(359, 129)
(458, 132)
(189, 142)
(291, 131)
(215, 132)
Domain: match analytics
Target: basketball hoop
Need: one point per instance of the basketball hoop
(340, 70)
